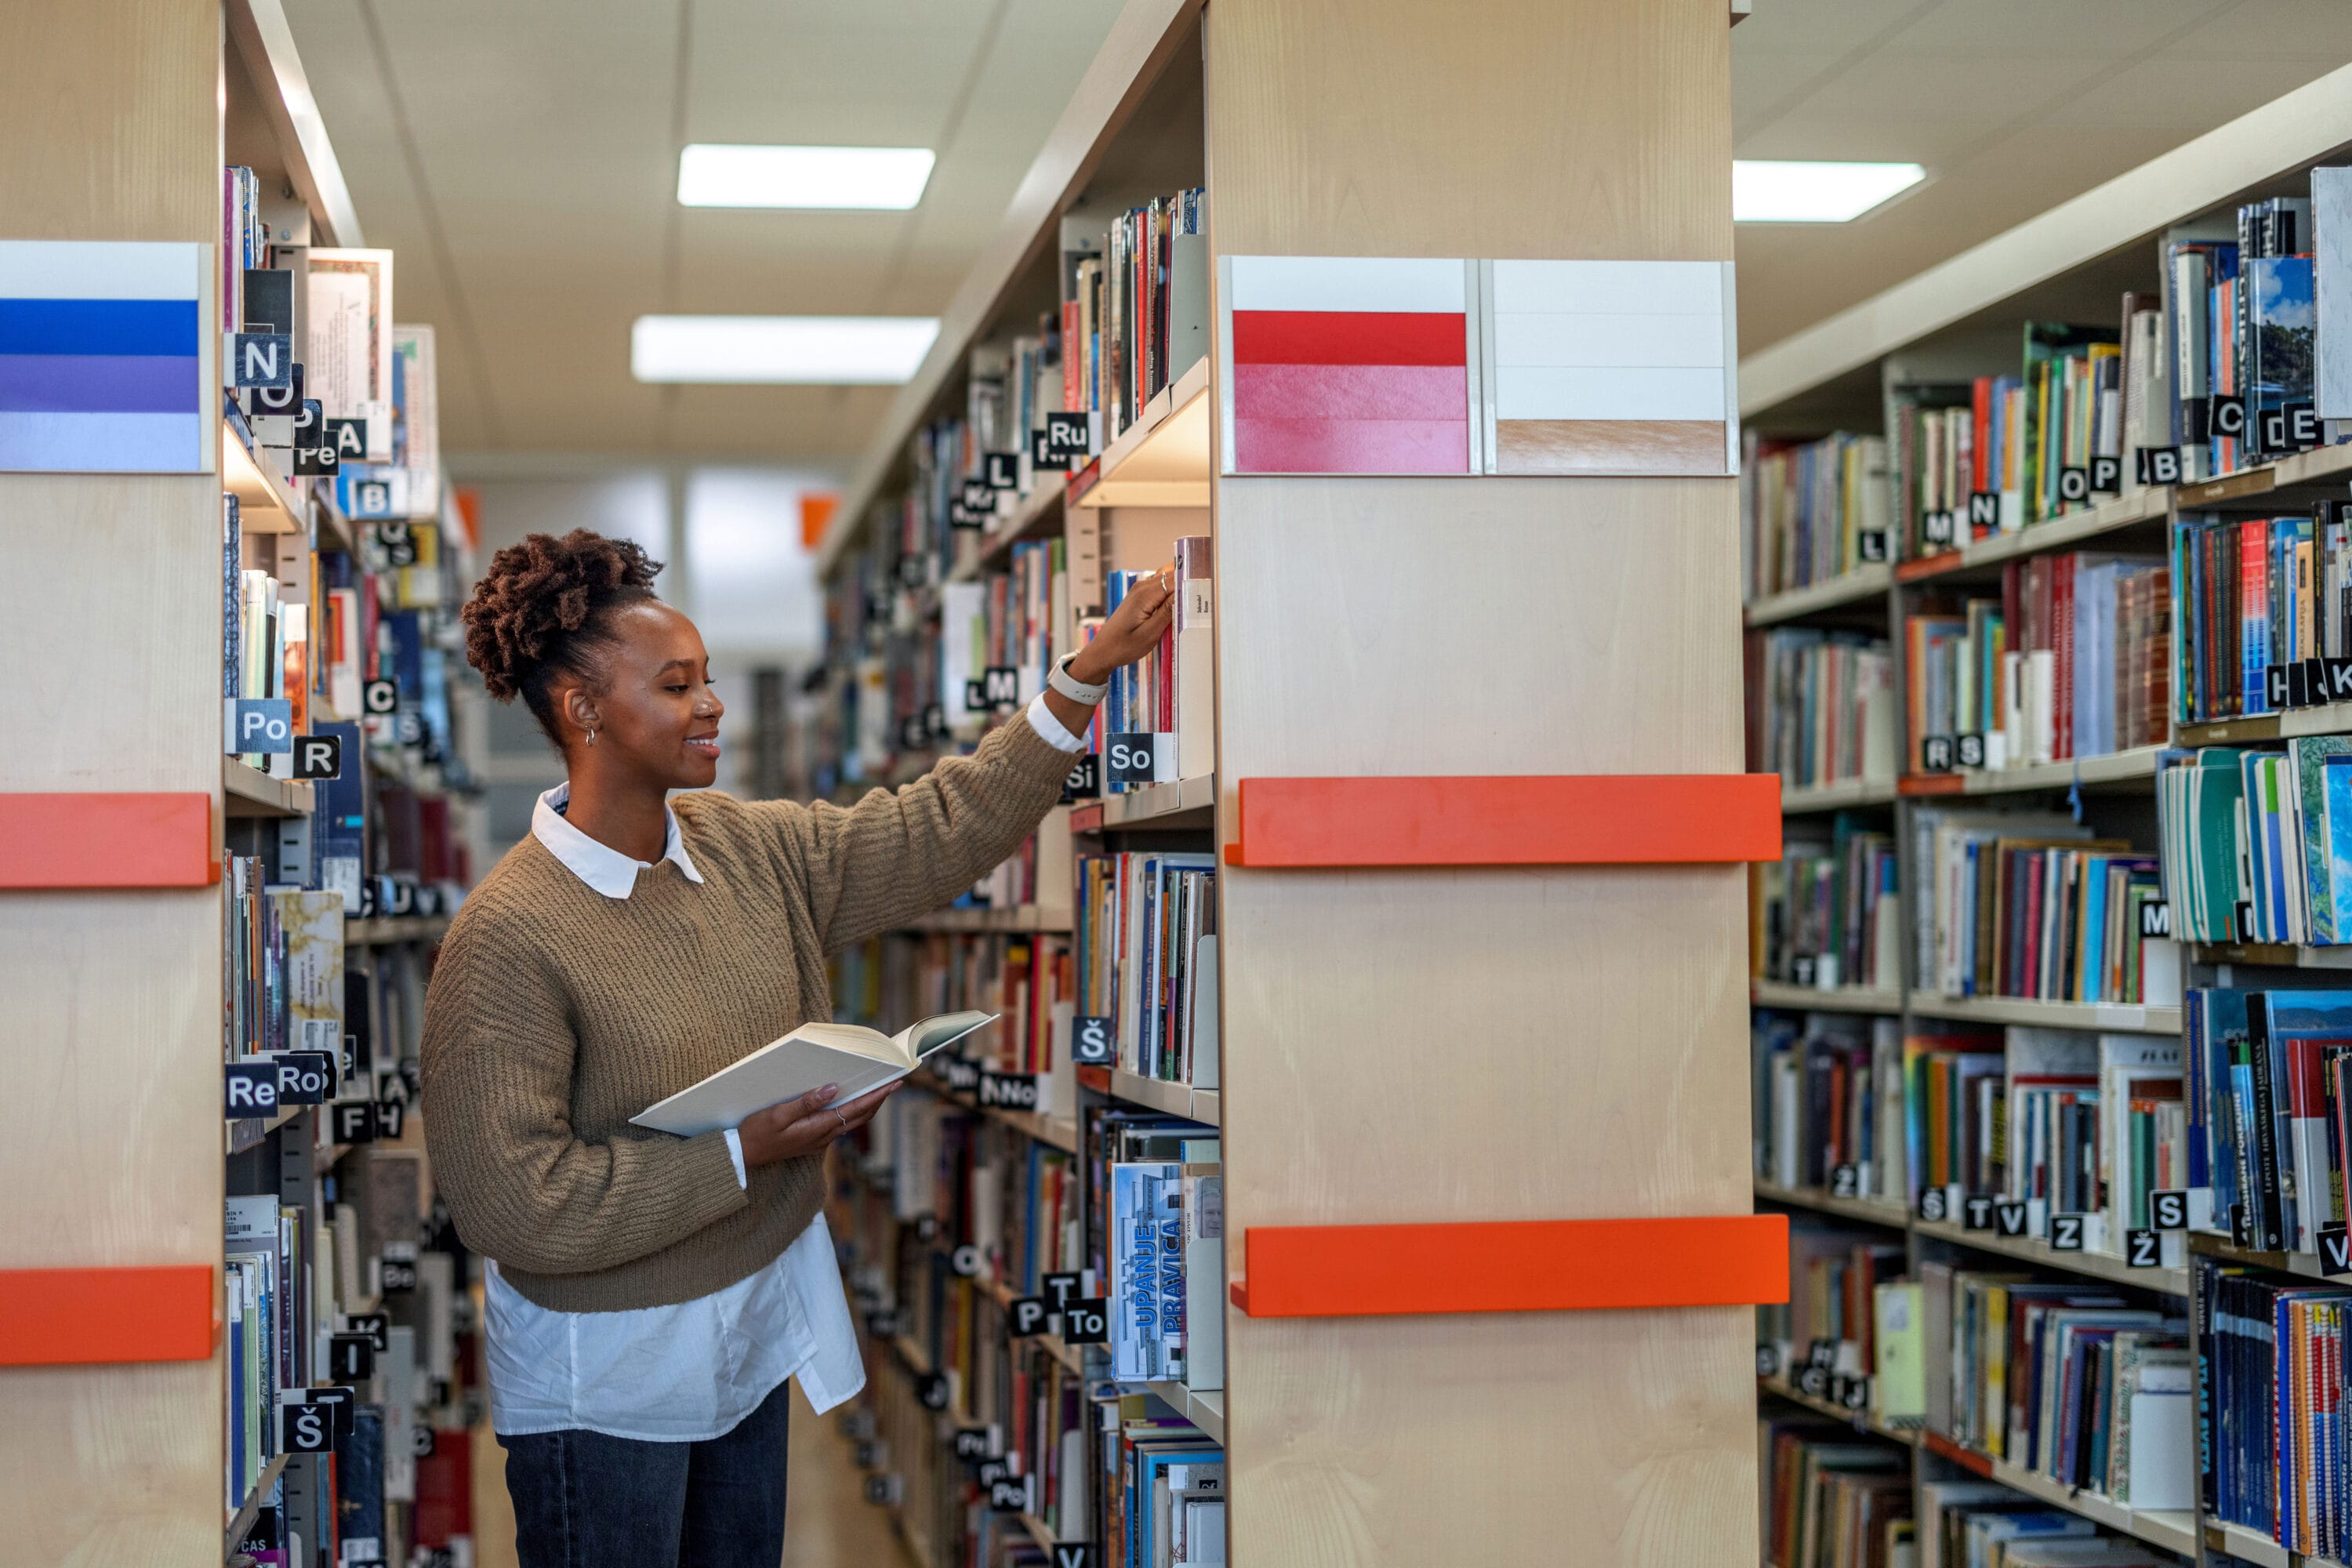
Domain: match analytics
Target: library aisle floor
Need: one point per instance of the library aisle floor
(829, 1523)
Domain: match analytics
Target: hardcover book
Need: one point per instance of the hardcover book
(860, 1060)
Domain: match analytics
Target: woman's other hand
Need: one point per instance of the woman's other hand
(804, 1126)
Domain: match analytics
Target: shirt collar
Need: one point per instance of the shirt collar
(599, 865)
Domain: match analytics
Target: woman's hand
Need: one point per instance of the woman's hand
(804, 1126)
(1133, 629)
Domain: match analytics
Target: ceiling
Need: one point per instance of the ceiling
(522, 160)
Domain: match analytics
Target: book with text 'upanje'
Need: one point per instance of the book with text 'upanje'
(858, 1059)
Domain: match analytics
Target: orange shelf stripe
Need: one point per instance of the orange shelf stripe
(1515, 1266)
(1596, 819)
(61, 1317)
(155, 840)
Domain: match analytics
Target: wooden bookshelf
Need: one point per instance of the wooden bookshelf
(248, 792)
(2033, 1249)
(1854, 588)
(1814, 999)
(1839, 796)
(1163, 459)
(1861, 1420)
(1030, 918)
(1187, 803)
(2174, 1531)
(2131, 769)
(241, 1519)
(1874, 1211)
(2094, 525)
(2119, 1017)
(1202, 1105)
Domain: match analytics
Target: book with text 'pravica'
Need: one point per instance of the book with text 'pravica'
(859, 1060)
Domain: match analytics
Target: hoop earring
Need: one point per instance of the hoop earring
(592, 737)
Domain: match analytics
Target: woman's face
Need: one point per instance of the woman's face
(655, 712)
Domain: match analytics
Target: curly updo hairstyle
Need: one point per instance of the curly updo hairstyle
(546, 608)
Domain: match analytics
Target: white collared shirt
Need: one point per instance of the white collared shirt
(691, 1371)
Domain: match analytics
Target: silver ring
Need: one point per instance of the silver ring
(837, 1116)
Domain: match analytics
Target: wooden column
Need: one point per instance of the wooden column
(1468, 1045)
(111, 1133)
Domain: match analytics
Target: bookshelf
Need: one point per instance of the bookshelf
(1331, 1107)
(1915, 346)
(155, 1228)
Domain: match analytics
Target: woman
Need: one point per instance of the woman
(649, 1296)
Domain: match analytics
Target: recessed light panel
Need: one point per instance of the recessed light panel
(816, 350)
(724, 174)
(1777, 192)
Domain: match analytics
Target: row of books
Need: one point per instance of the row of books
(1811, 511)
(953, 1214)
(2264, 605)
(2244, 320)
(1145, 942)
(2073, 660)
(1157, 724)
(1820, 706)
(2061, 1122)
(2266, 1096)
(2254, 842)
(1135, 313)
(2029, 904)
(1828, 1103)
(2272, 1371)
(1828, 912)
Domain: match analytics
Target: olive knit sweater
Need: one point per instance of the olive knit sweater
(556, 1014)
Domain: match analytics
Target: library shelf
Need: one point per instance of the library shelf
(241, 1518)
(1162, 459)
(1176, 1099)
(1020, 918)
(382, 931)
(2252, 1546)
(2123, 1017)
(1873, 1211)
(335, 530)
(264, 504)
(2174, 1531)
(2151, 504)
(2270, 955)
(247, 791)
(1862, 1420)
(248, 1132)
(1814, 999)
(2033, 1249)
(1038, 1531)
(2207, 1243)
(1185, 802)
(2318, 467)
(1055, 1131)
(1205, 1409)
(1795, 798)
(2328, 719)
(1850, 588)
(2113, 770)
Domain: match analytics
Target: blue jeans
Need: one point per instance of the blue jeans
(584, 1499)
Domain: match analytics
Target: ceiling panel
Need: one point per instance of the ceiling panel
(522, 160)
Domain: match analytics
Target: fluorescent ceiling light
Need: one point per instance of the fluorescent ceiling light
(713, 174)
(1814, 193)
(829, 351)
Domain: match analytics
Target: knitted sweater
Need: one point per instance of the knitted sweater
(556, 1014)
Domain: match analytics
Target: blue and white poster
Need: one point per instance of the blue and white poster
(101, 357)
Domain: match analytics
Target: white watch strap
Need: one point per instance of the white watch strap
(1059, 678)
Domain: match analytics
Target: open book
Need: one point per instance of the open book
(860, 1060)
